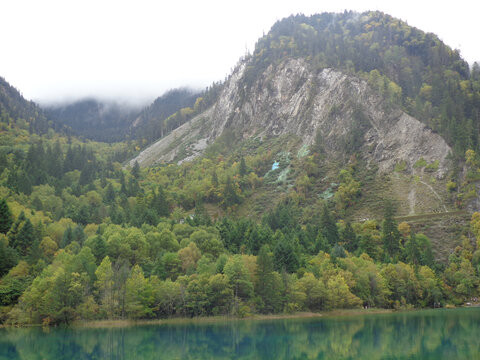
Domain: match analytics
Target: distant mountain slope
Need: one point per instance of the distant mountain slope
(170, 111)
(111, 121)
(94, 119)
(14, 107)
(149, 124)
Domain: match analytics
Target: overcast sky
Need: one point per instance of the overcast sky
(56, 50)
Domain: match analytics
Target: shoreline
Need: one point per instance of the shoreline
(119, 323)
(124, 323)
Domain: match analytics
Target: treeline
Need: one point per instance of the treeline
(88, 239)
(435, 84)
(234, 267)
(51, 164)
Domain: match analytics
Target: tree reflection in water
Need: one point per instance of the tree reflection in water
(431, 334)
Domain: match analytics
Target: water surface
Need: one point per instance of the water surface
(430, 334)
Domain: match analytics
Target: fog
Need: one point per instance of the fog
(133, 51)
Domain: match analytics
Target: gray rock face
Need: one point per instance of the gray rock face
(290, 98)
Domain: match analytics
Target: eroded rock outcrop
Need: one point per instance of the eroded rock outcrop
(290, 98)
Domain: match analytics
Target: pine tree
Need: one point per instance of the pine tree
(109, 194)
(349, 238)
(243, 167)
(78, 235)
(286, 258)
(25, 238)
(136, 170)
(8, 258)
(329, 227)
(412, 251)
(214, 179)
(6, 219)
(13, 232)
(230, 196)
(67, 237)
(160, 203)
(265, 286)
(390, 233)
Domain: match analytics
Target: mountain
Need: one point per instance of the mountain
(14, 108)
(408, 68)
(363, 91)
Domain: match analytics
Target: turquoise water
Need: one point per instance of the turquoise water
(432, 334)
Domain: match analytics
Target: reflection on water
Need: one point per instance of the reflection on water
(433, 334)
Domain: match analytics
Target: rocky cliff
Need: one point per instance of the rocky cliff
(337, 109)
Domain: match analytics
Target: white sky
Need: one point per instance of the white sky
(55, 50)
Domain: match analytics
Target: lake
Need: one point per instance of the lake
(427, 334)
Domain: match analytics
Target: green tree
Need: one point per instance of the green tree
(412, 250)
(390, 234)
(104, 286)
(8, 257)
(220, 294)
(6, 218)
(160, 202)
(25, 238)
(315, 291)
(339, 295)
(285, 254)
(266, 286)
(139, 295)
(328, 227)
(349, 238)
(242, 167)
(109, 194)
(239, 279)
(136, 170)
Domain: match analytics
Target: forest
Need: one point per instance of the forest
(85, 237)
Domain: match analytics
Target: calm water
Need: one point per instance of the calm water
(433, 334)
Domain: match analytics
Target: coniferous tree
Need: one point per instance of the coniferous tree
(242, 167)
(214, 179)
(8, 258)
(265, 286)
(109, 194)
(230, 195)
(160, 202)
(286, 258)
(78, 235)
(25, 237)
(349, 238)
(390, 234)
(3, 161)
(69, 164)
(329, 227)
(6, 218)
(14, 229)
(136, 170)
(412, 251)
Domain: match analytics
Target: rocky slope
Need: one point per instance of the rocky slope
(339, 109)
